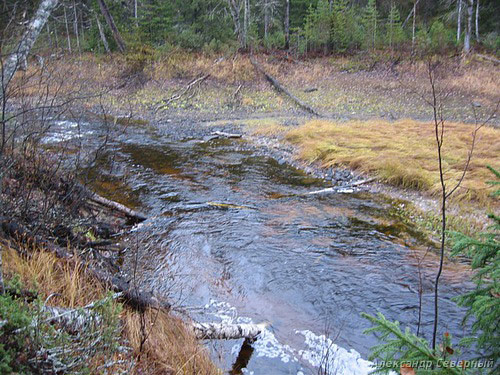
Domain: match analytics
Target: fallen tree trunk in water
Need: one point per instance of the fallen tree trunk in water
(282, 89)
(128, 212)
(225, 331)
(77, 319)
(132, 296)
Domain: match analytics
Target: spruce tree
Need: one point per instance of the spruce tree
(340, 37)
(370, 19)
(394, 29)
(483, 302)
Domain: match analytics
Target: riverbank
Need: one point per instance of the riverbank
(187, 85)
(371, 94)
(174, 100)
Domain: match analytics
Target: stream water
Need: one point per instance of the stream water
(227, 235)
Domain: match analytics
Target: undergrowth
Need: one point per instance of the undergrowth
(123, 340)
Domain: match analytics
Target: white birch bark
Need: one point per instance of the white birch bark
(101, 33)
(477, 20)
(225, 331)
(68, 39)
(75, 26)
(468, 31)
(287, 25)
(28, 39)
(459, 20)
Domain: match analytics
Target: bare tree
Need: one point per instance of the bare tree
(27, 41)
(9, 68)
(468, 31)
(459, 20)
(114, 30)
(287, 24)
(436, 103)
(246, 23)
(75, 26)
(67, 30)
(267, 9)
(414, 24)
(477, 20)
(235, 8)
(102, 35)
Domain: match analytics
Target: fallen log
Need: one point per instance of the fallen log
(225, 331)
(133, 296)
(339, 189)
(489, 58)
(226, 135)
(274, 82)
(128, 212)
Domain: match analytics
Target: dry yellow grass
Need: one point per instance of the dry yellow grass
(170, 348)
(402, 153)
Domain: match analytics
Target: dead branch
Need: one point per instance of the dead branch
(134, 297)
(282, 89)
(131, 214)
(165, 102)
(226, 135)
(488, 58)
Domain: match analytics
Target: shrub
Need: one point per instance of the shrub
(440, 37)
(15, 318)
(492, 42)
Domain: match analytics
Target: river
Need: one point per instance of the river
(231, 238)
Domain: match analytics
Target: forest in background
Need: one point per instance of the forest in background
(302, 27)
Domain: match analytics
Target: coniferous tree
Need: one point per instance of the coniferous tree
(484, 301)
(370, 20)
(340, 19)
(318, 25)
(394, 29)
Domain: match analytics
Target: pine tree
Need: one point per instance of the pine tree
(370, 19)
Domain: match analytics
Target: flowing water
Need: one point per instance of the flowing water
(230, 237)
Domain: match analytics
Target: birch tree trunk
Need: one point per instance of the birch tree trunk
(413, 27)
(477, 20)
(102, 35)
(28, 39)
(287, 25)
(225, 331)
(75, 27)
(112, 26)
(266, 19)
(234, 9)
(459, 20)
(246, 23)
(468, 31)
(67, 30)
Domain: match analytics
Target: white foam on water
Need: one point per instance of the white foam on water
(320, 351)
(337, 360)
(64, 131)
